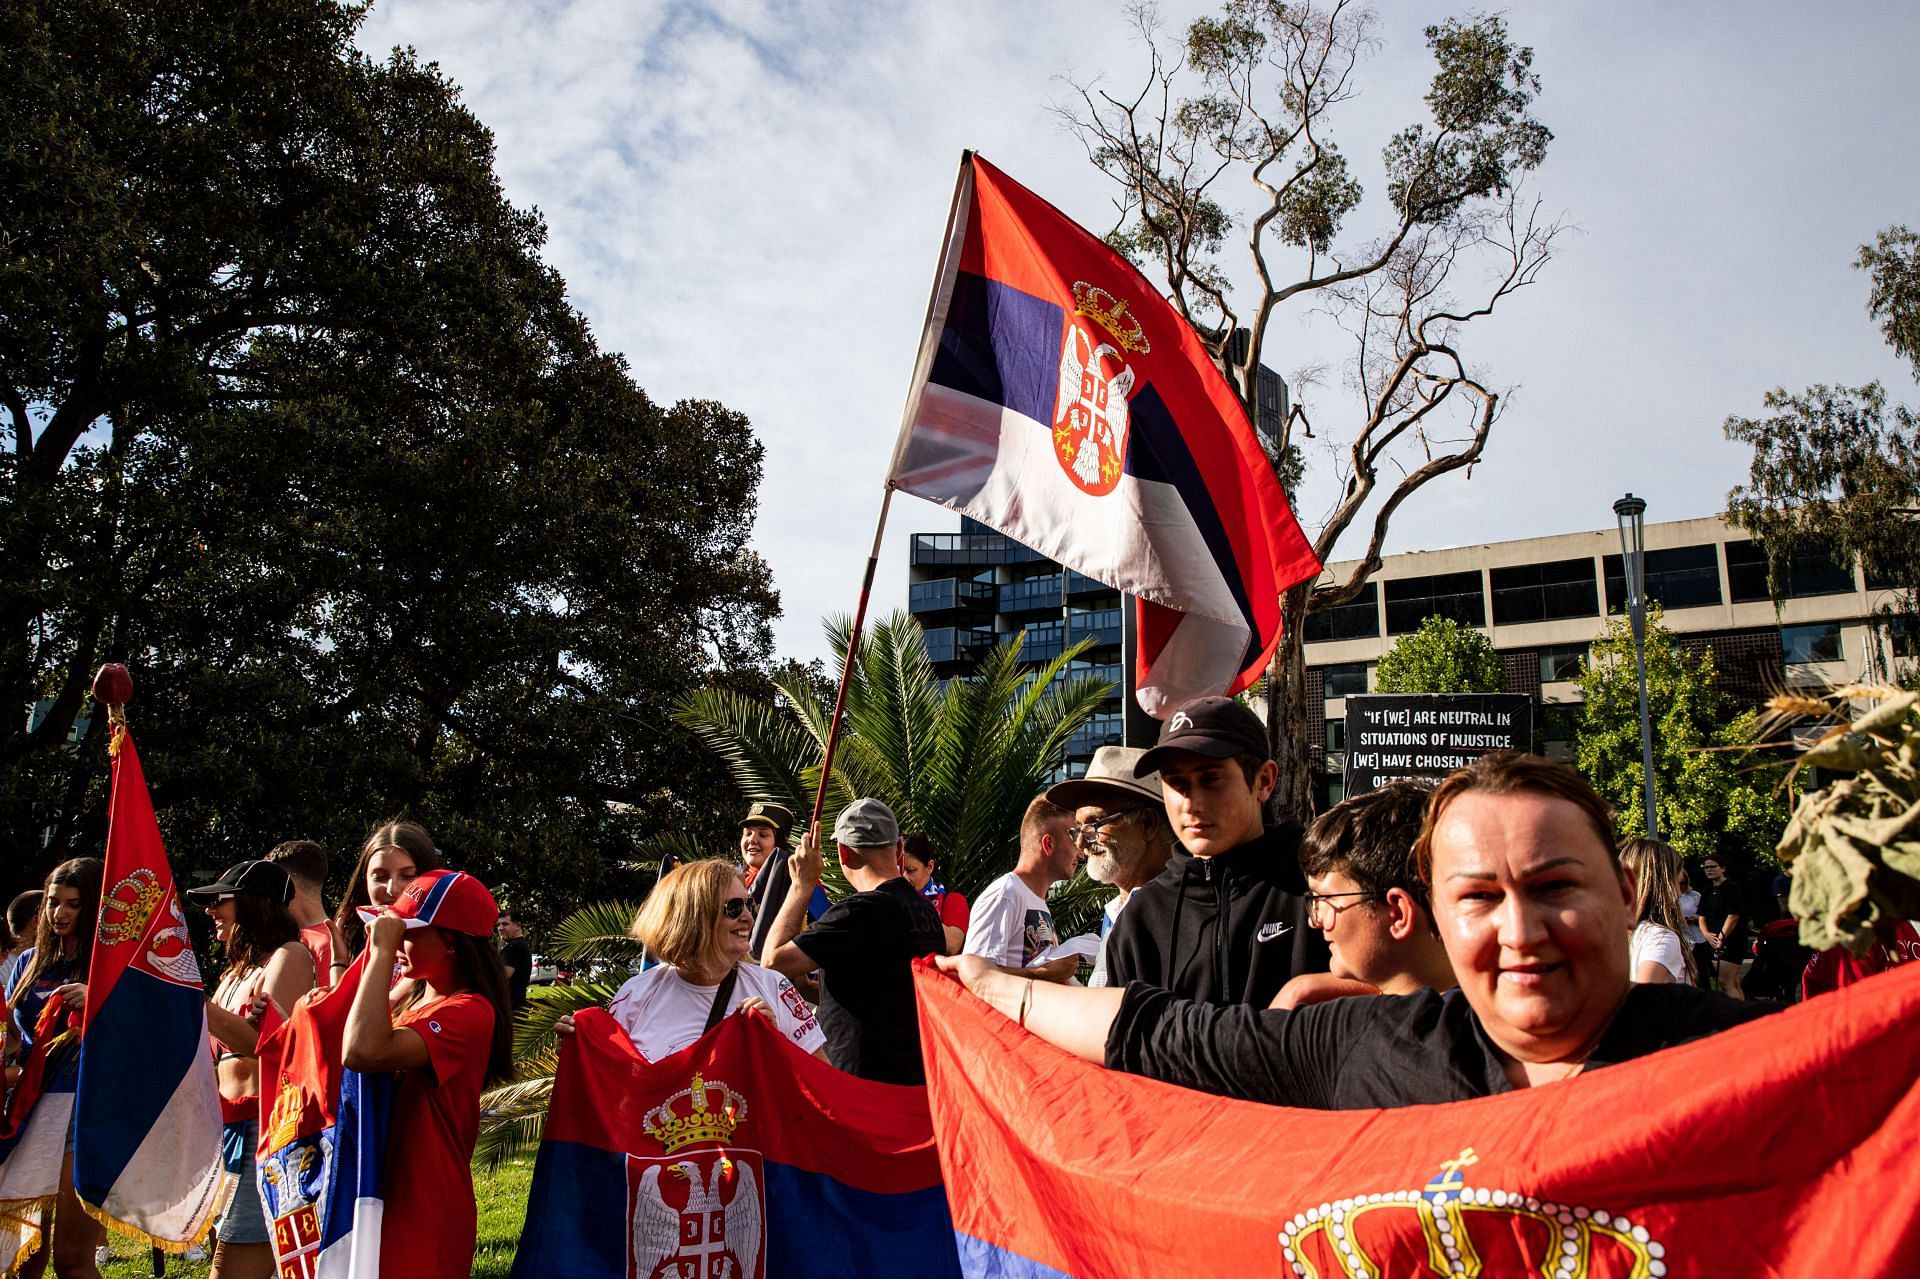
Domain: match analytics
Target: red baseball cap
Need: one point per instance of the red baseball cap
(444, 899)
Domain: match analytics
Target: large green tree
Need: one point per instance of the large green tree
(1441, 657)
(1836, 469)
(1254, 95)
(1710, 794)
(300, 426)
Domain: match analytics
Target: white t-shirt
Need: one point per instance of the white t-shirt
(1011, 925)
(663, 1012)
(1653, 942)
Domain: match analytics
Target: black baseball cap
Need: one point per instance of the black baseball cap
(264, 878)
(1216, 727)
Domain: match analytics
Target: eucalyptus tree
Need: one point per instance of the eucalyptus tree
(1253, 95)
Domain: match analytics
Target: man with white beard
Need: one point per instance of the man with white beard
(1121, 823)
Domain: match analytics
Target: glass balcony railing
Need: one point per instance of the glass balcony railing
(971, 549)
(948, 593)
(1102, 626)
(958, 644)
(1080, 584)
(1101, 730)
(1034, 593)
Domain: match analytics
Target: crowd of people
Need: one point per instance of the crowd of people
(1417, 943)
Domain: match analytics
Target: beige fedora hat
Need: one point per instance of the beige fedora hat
(1109, 781)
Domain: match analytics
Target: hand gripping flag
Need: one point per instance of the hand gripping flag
(323, 1142)
(33, 1134)
(146, 1146)
(1060, 399)
(1782, 1148)
(739, 1156)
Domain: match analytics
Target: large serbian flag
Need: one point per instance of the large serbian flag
(739, 1156)
(1783, 1148)
(1060, 399)
(323, 1142)
(146, 1147)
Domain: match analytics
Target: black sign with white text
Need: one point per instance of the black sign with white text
(1392, 735)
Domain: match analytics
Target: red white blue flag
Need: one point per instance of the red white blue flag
(1060, 399)
(146, 1146)
(740, 1156)
(323, 1142)
(1784, 1148)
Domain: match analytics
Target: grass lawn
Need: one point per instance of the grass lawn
(501, 1197)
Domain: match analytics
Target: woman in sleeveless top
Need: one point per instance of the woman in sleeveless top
(268, 968)
(55, 969)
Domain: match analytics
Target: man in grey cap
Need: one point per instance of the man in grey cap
(1120, 822)
(863, 946)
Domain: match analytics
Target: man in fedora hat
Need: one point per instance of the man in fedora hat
(1120, 822)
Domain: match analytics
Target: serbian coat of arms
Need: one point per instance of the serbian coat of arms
(1090, 414)
(697, 1211)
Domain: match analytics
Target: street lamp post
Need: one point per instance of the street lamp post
(1631, 511)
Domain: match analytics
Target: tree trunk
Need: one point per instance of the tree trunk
(1287, 713)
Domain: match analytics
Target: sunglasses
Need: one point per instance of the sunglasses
(734, 907)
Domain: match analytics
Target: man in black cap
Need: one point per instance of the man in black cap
(1226, 921)
(863, 947)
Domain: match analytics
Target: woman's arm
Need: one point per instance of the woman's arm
(371, 1043)
(1069, 1017)
(289, 976)
(239, 1035)
(1651, 972)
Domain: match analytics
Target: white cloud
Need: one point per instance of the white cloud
(746, 199)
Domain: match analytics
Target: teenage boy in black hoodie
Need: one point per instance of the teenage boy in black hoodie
(1226, 921)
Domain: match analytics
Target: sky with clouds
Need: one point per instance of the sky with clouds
(746, 199)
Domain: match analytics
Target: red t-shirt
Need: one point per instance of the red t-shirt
(954, 911)
(428, 1222)
(319, 943)
(1831, 969)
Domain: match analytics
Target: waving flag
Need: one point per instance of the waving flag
(1060, 399)
(146, 1147)
(739, 1156)
(323, 1142)
(1782, 1148)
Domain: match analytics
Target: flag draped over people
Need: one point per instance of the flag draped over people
(146, 1145)
(1770, 1149)
(1060, 399)
(740, 1155)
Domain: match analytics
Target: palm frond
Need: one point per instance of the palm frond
(766, 747)
(533, 1028)
(597, 931)
(512, 1118)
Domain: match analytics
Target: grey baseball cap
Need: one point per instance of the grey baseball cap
(867, 823)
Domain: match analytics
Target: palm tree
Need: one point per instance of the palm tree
(957, 759)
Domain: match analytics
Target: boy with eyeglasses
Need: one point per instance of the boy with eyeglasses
(1226, 921)
(1365, 896)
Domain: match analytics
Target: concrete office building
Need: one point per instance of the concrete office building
(1542, 601)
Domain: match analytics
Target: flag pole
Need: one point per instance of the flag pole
(778, 877)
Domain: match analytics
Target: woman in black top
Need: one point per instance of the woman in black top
(1723, 916)
(1532, 906)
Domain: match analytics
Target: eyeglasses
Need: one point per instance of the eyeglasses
(734, 907)
(1089, 832)
(1333, 912)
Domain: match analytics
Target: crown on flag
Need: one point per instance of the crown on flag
(1110, 313)
(283, 1121)
(704, 1117)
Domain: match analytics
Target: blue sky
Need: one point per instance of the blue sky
(746, 200)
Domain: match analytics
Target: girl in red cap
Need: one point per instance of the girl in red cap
(447, 1036)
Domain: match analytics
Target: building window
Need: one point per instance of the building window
(1343, 681)
(1680, 577)
(1817, 643)
(1811, 572)
(1544, 592)
(1359, 618)
(1561, 662)
(1903, 634)
(1336, 734)
(1412, 600)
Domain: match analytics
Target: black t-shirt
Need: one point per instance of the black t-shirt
(1719, 901)
(1377, 1050)
(518, 957)
(865, 946)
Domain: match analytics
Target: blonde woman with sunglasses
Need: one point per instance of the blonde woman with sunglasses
(698, 922)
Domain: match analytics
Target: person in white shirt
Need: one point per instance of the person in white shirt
(1120, 823)
(699, 922)
(1656, 953)
(1012, 926)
